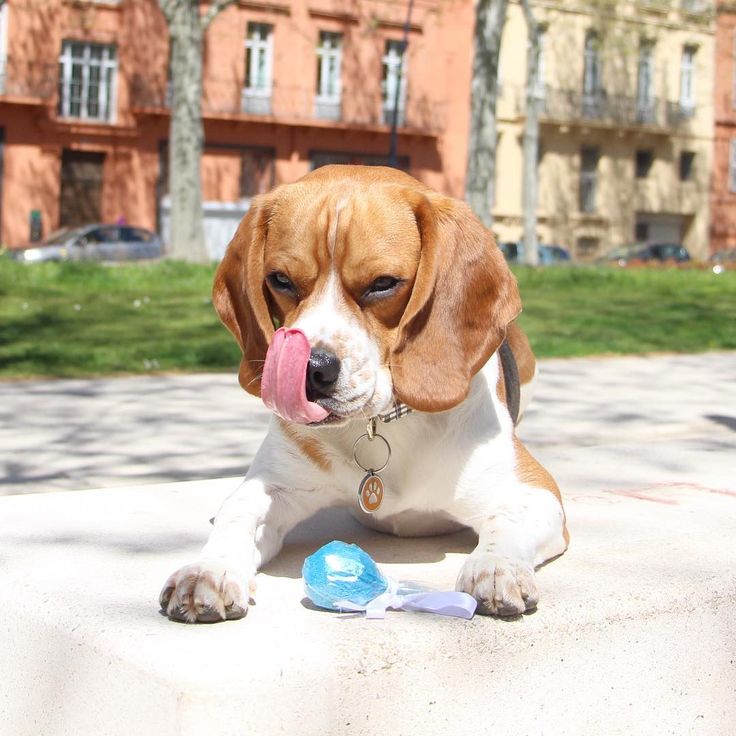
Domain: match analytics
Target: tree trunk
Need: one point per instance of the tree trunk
(530, 145)
(480, 179)
(187, 134)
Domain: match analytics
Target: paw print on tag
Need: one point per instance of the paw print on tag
(370, 493)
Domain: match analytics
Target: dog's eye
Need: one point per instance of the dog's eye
(382, 285)
(281, 282)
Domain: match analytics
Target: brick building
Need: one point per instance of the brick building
(288, 85)
(723, 202)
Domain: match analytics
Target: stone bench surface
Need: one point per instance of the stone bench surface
(634, 633)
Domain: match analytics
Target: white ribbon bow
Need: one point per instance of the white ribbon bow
(450, 603)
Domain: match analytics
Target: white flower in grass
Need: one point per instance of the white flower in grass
(136, 303)
(77, 307)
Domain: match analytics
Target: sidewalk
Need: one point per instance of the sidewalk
(672, 418)
(634, 634)
(95, 433)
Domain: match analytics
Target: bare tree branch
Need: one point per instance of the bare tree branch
(490, 16)
(167, 8)
(530, 146)
(214, 10)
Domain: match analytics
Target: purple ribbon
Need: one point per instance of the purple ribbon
(451, 603)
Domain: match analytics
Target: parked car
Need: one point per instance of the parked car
(549, 254)
(727, 255)
(93, 243)
(621, 255)
(664, 252)
(659, 252)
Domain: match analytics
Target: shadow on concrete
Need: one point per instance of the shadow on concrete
(90, 433)
(724, 421)
(331, 524)
(144, 542)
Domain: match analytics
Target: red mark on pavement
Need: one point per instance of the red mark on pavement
(643, 494)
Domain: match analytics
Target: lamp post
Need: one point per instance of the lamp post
(393, 158)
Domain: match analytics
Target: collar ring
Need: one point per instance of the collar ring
(370, 439)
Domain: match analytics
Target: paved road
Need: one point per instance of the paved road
(667, 420)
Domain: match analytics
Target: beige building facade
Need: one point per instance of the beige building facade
(626, 125)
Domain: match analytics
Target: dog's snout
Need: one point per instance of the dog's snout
(322, 372)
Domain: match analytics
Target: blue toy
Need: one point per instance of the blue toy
(342, 577)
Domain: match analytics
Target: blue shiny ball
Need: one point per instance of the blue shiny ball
(341, 572)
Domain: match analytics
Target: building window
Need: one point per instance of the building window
(591, 76)
(394, 68)
(257, 171)
(258, 78)
(687, 165)
(645, 106)
(329, 85)
(694, 6)
(587, 248)
(87, 81)
(588, 178)
(644, 160)
(687, 81)
(732, 167)
(641, 232)
(325, 158)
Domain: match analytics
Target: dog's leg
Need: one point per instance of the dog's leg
(520, 531)
(248, 531)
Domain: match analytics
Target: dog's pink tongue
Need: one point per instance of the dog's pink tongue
(283, 385)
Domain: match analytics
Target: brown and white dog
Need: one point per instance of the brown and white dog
(402, 296)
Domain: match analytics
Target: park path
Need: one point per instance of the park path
(669, 418)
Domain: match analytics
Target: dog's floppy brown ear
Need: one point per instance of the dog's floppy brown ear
(238, 293)
(463, 299)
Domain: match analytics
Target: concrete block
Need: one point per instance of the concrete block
(634, 633)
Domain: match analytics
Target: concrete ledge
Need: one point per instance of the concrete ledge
(634, 633)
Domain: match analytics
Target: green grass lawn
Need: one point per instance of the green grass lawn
(609, 310)
(85, 319)
(69, 319)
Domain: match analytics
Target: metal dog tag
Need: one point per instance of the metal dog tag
(370, 493)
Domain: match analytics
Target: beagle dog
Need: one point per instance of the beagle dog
(357, 294)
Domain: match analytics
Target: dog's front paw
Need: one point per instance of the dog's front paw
(205, 591)
(502, 586)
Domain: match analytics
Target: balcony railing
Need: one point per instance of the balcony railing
(567, 106)
(388, 115)
(328, 108)
(27, 79)
(298, 104)
(256, 102)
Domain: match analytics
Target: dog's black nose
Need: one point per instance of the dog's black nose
(322, 372)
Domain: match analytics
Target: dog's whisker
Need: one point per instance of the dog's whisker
(254, 379)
